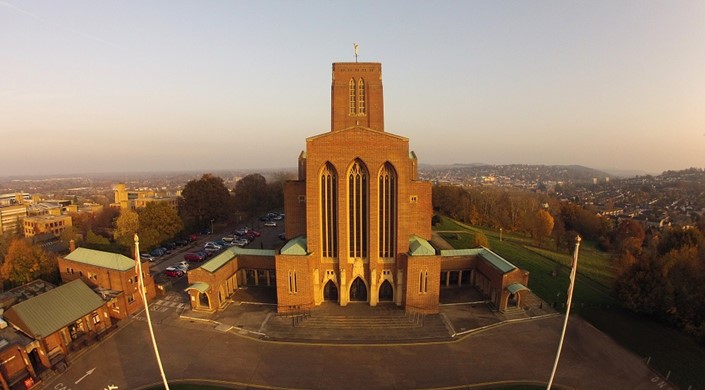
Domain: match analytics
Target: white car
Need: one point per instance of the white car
(183, 265)
(241, 242)
(270, 224)
(212, 245)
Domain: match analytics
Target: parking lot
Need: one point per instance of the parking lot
(268, 239)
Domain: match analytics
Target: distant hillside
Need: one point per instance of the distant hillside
(572, 173)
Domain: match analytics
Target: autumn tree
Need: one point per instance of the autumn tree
(126, 225)
(158, 222)
(204, 200)
(24, 263)
(629, 236)
(480, 239)
(541, 225)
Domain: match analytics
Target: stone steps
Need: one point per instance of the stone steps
(374, 326)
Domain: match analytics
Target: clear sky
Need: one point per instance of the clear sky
(117, 86)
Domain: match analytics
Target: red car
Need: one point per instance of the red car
(173, 272)
(194, 256)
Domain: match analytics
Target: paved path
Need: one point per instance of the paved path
(195, 350)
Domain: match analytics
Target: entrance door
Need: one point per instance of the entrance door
(386, 293)
(358, 290)
(330, 292)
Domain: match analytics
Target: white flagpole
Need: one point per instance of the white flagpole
(573, 270)
(143, 293)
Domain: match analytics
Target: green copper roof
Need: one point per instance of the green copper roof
(514, 287)
(109, 260)
(420, 247)
(49, 312)
(492, 258)
(224, 257)
(202, 287)
(296, 246)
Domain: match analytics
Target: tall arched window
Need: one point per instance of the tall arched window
(329, 211)
(387, 211)
(361, 97)
(353, 96)
(357, 209)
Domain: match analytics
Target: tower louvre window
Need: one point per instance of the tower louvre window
(361, 97)
(353, 96)
(329, 211)
(357, 210)
(387, 211)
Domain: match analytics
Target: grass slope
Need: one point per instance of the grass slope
(667, 349)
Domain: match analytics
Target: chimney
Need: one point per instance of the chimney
(72, 246)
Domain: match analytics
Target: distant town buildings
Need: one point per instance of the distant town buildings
(46, 223)
(135, 199)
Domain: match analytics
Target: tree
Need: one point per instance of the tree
(158, 222)
(252, 194)
(629, 236)
(480, 239)
(204, 200)
(24, 263)
(541, 225)
(126, 225)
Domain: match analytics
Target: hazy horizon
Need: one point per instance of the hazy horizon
(216, 86)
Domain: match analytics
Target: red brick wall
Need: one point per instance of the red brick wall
(371, 72)
(417, 300)
(295, 210)
(303, 296)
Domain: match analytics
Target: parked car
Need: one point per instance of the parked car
(210, 250)
(182, 265)
(146, 257)
(212, 244)
(203, 254)
(158, 252)
(170, 246)
(270, 224)
(193, 237)
(228, 238)
(182, 242)
(195, 256)
(254, 232)
(173, 272)
(241, 242)
(282, 236)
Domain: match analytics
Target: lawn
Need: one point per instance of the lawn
(667, 349)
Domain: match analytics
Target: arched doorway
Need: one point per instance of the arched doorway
(358, 291)
(203, 300)
(386, 292)
(330, 291)
(513, 300)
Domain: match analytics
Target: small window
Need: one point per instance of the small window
(413, 199)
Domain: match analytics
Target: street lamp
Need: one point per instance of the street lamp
(500, 234)
(212, 225)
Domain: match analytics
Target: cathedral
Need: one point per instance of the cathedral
(358, 220)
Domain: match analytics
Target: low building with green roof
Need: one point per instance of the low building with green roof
(61, 320)
(108, 271)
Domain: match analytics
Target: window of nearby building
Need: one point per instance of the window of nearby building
(423, 282)
(353, 96)
(361, 97)
(293, 287)
(387, 211)
(329, 211)
(357, 210)
(130, 298)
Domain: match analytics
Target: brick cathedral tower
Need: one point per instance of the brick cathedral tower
(356, 96)
(355, 207)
